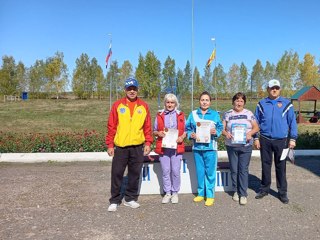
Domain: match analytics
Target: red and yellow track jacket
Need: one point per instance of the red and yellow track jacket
(124, 130)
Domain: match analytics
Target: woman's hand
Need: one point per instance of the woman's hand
(193, 135)
(161, 134)
(180, 139)
(228, 135)
(249, 136)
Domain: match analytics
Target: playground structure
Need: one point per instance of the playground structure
(311, 94)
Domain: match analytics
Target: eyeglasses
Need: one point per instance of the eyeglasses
(275, 87)
(132, 88)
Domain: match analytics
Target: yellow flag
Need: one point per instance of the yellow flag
(212, 57)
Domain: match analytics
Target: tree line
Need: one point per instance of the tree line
(50, 77)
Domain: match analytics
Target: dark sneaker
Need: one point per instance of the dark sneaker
(284, 198)
(261, 195)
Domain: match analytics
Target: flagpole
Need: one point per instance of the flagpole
(215, 73)
(110, 94)
(192, 43)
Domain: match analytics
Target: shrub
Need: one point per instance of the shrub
(91, 141)
(308, 140)
(88, 141)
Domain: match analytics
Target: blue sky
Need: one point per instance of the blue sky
(245, 30)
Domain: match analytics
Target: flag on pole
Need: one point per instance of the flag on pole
(108, 56)
(212, 57)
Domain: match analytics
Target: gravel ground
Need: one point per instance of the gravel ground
(70, 200)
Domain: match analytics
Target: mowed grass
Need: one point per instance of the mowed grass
(51, 115)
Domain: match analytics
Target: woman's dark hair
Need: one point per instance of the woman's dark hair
(239, 95)
(205, 93)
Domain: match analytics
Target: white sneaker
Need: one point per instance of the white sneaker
(113, 207)
(235, 197)
(166, 198)
(243, 200)
(132, 204)
(174, 198)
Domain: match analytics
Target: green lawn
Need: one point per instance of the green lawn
(47, 116)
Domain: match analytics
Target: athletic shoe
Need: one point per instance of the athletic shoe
(166, 198)
(235, 197)
(174, 198)
(112, 207)
(243, 200)
(132, 204)
(198, 199)
(209, 202)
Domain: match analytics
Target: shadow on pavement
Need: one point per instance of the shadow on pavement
(310, 163)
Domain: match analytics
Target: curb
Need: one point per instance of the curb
(100, 156)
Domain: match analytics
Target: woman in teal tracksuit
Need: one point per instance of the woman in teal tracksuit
(205, 153)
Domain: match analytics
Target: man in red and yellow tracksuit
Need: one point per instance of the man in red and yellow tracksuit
(128, 140)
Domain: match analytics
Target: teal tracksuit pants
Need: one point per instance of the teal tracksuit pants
(206, 168)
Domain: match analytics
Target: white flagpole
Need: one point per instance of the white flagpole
(110, 95)
(192, 47)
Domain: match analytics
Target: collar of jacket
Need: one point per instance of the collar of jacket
(200, 112)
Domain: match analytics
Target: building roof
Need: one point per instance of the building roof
(307, 93)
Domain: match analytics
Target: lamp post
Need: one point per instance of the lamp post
(215, 77)
(110, 94)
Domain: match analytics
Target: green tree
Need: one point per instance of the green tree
(269, 71)
(169, 74)
(56, 72)
(126, 71)
(81, 77)
(97, 79)
(187, 76)
(207, 79)
(148, 73)
(309, 72)
(287, 70)
(198, 87)
(37, 79)
(219, 81)
(21, 78)
(9, 83)
(140, 74)
(234, 79)
(244, 85)
(180, 84)
(112, 80)
(257, 79)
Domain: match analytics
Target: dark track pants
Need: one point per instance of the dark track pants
(131, 156)
(267, 147)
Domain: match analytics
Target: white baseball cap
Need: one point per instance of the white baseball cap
(273, 83)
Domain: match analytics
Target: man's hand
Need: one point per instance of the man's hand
(292, 144)
(146, 150)
(110, 152)
(257, 143)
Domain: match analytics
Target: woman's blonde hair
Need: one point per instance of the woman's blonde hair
(171, 97)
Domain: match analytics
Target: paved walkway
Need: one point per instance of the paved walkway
(70, 200)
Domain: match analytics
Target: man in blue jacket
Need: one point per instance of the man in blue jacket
(278, 130)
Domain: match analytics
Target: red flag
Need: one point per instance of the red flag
(108, 56)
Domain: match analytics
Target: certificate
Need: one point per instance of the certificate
(284, 154)
(170, 139)
(203, 132)
(239, 133)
